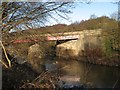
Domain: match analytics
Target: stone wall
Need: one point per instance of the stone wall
(36, 57)
(92, 42)
(71, 48)
(80, 47)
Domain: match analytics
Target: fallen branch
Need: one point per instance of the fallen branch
(4, 64)
(53, 85)
(115, 84)
(9, 62)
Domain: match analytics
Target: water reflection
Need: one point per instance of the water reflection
(93, 75)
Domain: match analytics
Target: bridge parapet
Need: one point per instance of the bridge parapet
(88, 32)
(73, 35)
(55, 36)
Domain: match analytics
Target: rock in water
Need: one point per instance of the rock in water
(69, 81)
(35, 57)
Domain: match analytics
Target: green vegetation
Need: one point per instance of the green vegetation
(108, 46)
(109, 34)
(107, 24)
(98, 23)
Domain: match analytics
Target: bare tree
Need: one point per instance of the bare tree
(114, 15)
(93, 16)
(25, 15)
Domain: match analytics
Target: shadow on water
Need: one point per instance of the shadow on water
(74, 73)
(79, 73)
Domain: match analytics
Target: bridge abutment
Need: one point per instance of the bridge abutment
(73, 48)
(86, 45)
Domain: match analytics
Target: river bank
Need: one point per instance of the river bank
(112, 61)
(94, 56)
(22, 76)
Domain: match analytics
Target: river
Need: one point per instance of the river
(77, 72)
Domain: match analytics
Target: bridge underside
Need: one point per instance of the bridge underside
(63, 41)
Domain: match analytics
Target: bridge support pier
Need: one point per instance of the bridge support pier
(73, 48)
(35, 58)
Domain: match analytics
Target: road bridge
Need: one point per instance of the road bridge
(36, 37)
(29, 43)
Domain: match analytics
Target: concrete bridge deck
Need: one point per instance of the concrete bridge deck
(50, 36)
